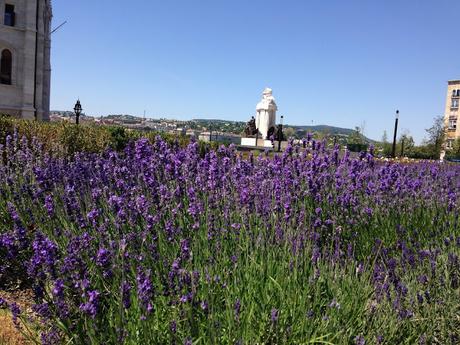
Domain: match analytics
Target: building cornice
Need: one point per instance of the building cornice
(14, 28)
(9, 107)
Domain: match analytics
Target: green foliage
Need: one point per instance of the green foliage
(357, 137)
(357, 141)
(118, 138)
(357, 147)
(289, 132)
(65, 138)
(385, 146)
(406, 142)
(454, 153)
(436, 137)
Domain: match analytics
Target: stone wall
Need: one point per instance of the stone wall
(28, 95)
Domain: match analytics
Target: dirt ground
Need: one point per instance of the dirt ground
(9, 335)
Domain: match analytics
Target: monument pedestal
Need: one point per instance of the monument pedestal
(253, 142)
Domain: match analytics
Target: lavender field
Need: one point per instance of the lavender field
(158, 244)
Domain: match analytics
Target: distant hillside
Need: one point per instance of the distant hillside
(300, 130)
(236, 127)
(325, 129)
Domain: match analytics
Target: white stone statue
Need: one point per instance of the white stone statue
(266, 114)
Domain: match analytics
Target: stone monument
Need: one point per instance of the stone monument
(262, 128)
(266, 114)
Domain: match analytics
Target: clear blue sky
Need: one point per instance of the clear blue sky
(337, 62)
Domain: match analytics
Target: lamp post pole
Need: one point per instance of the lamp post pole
(257, 134)
(280, 134)
(77, 109)
(395, 134)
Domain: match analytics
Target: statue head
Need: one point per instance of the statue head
(267, 93)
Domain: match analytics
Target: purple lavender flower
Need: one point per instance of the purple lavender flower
(43, 310)
(204, 306)
(173, 326)
(91, 306)
(49, 205)
(145, 290)
(359, 340)
(422, 339)
(187, 297)
(16, 312)
(50, 337)
(237, 309)
(315, 255)
(334, 304)
(103, 257)
(92, 216)
(126, 294)
(45, 253)
(274, 314)
(423, 279)
(58, 289)
(185, 249)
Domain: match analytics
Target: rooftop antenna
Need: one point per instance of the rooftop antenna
(58, 27)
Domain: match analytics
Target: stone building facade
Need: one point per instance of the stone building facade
(451, 114)
(25, 45)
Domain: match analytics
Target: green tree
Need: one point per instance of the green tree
(436, 136)
(409, 143)
(289, 132)
(386, 146)
(385, 137)
(356, 137)
(455, 151)
(356, 141)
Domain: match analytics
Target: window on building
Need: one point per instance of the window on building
(458, 93)
(454, 103)
(453, 124)
(6, 67)
(10, 16)
(454, 93)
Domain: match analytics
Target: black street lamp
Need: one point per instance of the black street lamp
(280, 133)
(257, 134)
(395, 134)
(77, 111)
(212, 128)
